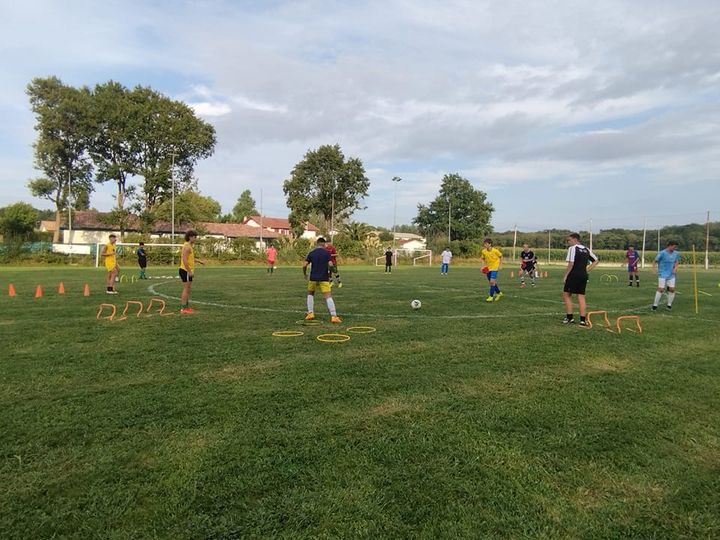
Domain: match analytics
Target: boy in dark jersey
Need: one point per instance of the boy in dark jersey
(632, 257)
(318, 260)
(580, 260)
(527, 266)
(142, 259)
(388, 260)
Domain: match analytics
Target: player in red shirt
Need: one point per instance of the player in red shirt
(332, 266)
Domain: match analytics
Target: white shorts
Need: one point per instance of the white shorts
(666, 282)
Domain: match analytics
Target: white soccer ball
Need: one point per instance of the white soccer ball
(416, 304)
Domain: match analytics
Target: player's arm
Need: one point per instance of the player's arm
(676, 265)
(104, 252)
(305, 267)
(186, 263)
(500, 262)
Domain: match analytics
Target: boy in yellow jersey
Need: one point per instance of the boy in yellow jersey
(492, 257)
(187, 270)
(111, 265)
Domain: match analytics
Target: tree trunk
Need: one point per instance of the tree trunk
(56, 232)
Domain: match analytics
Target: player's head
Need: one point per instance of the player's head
(526, 247)
(113, 238)
(321, 241)
(142, 244)
(190, 236)
(671, 245)
(573, 238)
(488, 242)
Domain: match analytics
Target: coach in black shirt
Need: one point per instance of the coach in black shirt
(580, 261)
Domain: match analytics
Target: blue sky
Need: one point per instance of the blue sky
(562, 111)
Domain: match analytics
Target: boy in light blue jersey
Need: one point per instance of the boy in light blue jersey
(667, 262)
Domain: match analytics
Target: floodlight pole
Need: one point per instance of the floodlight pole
(396, 180)
(332, 211)
(591, 235)
(69, 212)
(172, 204)
(642, 261)
(449, 218)
(261, 218)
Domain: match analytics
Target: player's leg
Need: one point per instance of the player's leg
(521, 275)
(567, 300)
(582, 308)
(491, 287)
(670, 292)
(325, 289)
(310, 300)
(337, 278)
(659, 292)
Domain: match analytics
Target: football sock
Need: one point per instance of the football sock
(492, 290)
(310, 303)
(522, 280)
(671, 297)
(497, 289)
(331, 306)
(337, 278)
(582, 318)
(569, 316)
(109, 288)
(658, 296)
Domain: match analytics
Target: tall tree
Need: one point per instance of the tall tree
(17, 221)
(60, 150)
(356, 230)
(190, 207)
(327, 184)
(245, 206)
(469, 210)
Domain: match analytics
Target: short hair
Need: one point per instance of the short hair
(487, 241)
(671, 243)
(189, 235)
(142, 243)
(321, 240)
(574, 235)
(113, 236)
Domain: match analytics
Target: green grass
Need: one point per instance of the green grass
(462, 419)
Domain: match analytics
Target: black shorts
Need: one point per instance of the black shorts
(575, 284)
(184, 277)
(142, 263)
(528, 267)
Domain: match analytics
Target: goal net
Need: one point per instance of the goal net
(416, 257)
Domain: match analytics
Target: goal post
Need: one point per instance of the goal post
(421, 256)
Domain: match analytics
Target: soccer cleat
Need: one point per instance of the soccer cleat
(669, 307)
(187, 311)
(489, 299)
(335, 319)
(568, 320)
(340, 285)
(654, 308)
(583, 323)
(310, 316)
(532, 284)
(498, 296)
(630, 284)
(111, 292)
(332, 284)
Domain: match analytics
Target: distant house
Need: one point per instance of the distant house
(91, 227)
(411, 244)
(281, 226)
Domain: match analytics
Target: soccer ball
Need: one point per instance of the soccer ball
(415, 304)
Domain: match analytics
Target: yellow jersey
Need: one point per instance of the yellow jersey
(190, 258)
(110, 258)
(492, 258)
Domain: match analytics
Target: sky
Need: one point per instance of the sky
(567, 113)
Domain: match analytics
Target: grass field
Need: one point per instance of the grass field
(461, 420)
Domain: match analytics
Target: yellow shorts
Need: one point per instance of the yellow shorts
(110, 268)
(324, 286)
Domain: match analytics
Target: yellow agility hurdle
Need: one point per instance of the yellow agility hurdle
(127, 307)
(598, 312)
(635, 318)
(102, 307)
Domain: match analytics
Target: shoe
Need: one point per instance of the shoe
(187, 311)
(335, 320)
(583, 323)
(310, 316)
(629, 284)
(654, 308)
(340, 285)
(489, 299)
(669, 307)
(532, 284)
(522, 285)
(637, 285)
(111, 292)
(567, 320)
(498, 296)
(332, 284)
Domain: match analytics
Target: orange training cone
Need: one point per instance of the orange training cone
(11, 290)
(38, 291)
(61, 288)
(86, 290)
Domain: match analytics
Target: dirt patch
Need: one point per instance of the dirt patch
(396, 407)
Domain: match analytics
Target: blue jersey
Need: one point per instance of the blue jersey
(666, 263)
(319, 258)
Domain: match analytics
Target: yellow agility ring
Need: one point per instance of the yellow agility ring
(311, 322)
(287, 333)
(361, 329)
(333, 338)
